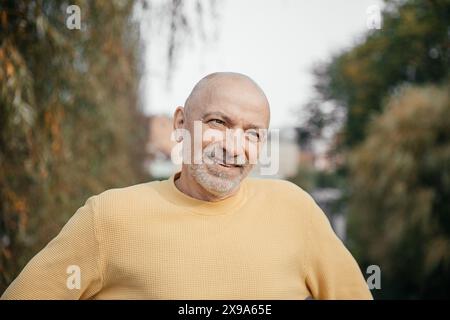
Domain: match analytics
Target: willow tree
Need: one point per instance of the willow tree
(70, 122)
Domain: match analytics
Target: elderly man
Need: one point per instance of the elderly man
(208, 232)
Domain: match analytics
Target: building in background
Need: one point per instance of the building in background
(159, 146)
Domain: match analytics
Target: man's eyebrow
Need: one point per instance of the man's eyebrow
(218, 114)
(230, 121)
(256, 126)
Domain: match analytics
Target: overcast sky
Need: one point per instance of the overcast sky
(274, 42)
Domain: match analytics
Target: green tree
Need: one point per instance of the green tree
(399, 215)
(398, 183)
(412, 47)
(70, 122)
(68, 119)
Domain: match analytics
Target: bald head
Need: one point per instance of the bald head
(222, 88)
(232, 113)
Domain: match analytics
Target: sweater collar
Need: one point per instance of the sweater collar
(177, 197)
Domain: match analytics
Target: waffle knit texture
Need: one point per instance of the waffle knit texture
(151, 241)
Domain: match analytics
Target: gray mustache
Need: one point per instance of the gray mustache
(221, 155)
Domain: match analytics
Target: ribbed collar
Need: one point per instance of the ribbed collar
(169, 190)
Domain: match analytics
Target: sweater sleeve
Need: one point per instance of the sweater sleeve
(332, 272)
(69, 267)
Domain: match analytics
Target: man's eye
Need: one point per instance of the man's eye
(217, 121)
(253, 134)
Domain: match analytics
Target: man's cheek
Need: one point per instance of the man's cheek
(212, 136)
(252, 153)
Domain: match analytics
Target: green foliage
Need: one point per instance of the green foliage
(412, 47)
(389, 95)
(310, 179)
(69, 121)
(400, 194)
(70, 125)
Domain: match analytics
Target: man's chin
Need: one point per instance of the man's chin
(220, 184)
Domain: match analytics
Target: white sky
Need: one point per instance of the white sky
(276, 42)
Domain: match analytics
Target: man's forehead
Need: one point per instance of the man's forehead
(231, 94)
(234, 117)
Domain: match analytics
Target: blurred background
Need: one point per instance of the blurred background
(359, 90)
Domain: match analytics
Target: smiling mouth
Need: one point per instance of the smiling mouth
(228, 165)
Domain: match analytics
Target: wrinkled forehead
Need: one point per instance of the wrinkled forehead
(237, 102)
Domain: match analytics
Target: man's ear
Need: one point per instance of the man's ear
(178, 122)
(178, 118)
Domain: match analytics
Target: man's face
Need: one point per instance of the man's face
(230, 121)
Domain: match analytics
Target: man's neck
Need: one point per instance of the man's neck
(191, 188)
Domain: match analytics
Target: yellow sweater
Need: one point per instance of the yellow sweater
(151, 241)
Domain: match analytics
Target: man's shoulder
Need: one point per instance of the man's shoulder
(128, 191)
(288, 199)
(122, 200)
(273, 183)
(277, 188)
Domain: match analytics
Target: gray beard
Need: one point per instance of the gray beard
(217, 183)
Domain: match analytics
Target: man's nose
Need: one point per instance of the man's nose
(235, 143)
